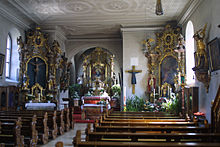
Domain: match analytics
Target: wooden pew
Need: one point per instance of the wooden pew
(71, 117)
(60, 122)
(41, 126)
(78, 143)
(51, 120)
(144, 117)
(165, 129)
(129, 136)
(120, 113)
(154, 119)
(66, 119)
(28, 129)
(145, 123)
(10, 133)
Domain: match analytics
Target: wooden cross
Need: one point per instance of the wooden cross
(133, 78)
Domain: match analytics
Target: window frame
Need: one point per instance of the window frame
(9, 38)
(190, 82)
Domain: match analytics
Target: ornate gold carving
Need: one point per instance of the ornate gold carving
(165, 46)
(36, 93)
(37, 49)
(98, 66)
(165, 89)
(201, 59)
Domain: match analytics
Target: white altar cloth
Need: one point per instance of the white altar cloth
(40, 106)
(96, 105)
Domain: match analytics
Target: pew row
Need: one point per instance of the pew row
(28, 129)
(78, 143)
(134, 137)
(41, 125)
(10, 133)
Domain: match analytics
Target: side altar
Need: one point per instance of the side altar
(166, 69)
(44, 71)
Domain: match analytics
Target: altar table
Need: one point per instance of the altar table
(93, 106)
(40, 106)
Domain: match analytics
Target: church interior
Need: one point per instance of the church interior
(96, 73)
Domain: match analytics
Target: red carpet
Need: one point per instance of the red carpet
(77, 118)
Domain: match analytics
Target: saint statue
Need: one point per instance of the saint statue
(201, 60)
(151, 83)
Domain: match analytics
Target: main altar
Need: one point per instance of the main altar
(98, 68)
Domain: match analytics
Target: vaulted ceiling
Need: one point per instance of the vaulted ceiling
(79, 18)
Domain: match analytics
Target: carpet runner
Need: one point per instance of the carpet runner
(77, 117)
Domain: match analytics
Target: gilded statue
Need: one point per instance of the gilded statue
(201, 60)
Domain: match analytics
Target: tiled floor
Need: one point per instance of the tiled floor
(67, 137)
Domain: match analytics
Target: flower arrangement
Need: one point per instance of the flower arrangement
(116, 89)
(74, 91)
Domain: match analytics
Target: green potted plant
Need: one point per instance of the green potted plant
(74, 91)
(135, 103)
(116, 89)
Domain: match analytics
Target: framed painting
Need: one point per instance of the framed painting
(214, 54)
(168, 69)
(2, 59)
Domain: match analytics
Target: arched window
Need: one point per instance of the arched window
(190, 61)
(8, 57)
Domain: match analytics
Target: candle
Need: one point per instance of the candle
(168, 91)
(124, 98)
(154, 95)
(159, 90)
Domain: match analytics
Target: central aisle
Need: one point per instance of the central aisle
(67, 137)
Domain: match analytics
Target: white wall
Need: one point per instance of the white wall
(132, 47)
(207, 12)
(15, 31)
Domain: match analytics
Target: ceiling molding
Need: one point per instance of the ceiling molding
(22, 8)
(11, 17)
(135, 29)
(188, 11)
(54, 29)
(95, 39)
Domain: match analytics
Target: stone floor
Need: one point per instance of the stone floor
(67, 137)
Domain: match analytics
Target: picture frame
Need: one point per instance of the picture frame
(2, 61)
(168, 70)
(214, 54)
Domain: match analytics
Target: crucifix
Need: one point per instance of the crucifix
(36, 65)
(133, 78)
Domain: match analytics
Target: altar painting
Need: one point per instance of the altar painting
(36, 71)
(168, 70)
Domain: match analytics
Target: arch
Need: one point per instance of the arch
(190, 61)
(75, 54)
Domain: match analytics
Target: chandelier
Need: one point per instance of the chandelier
(159, 9)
